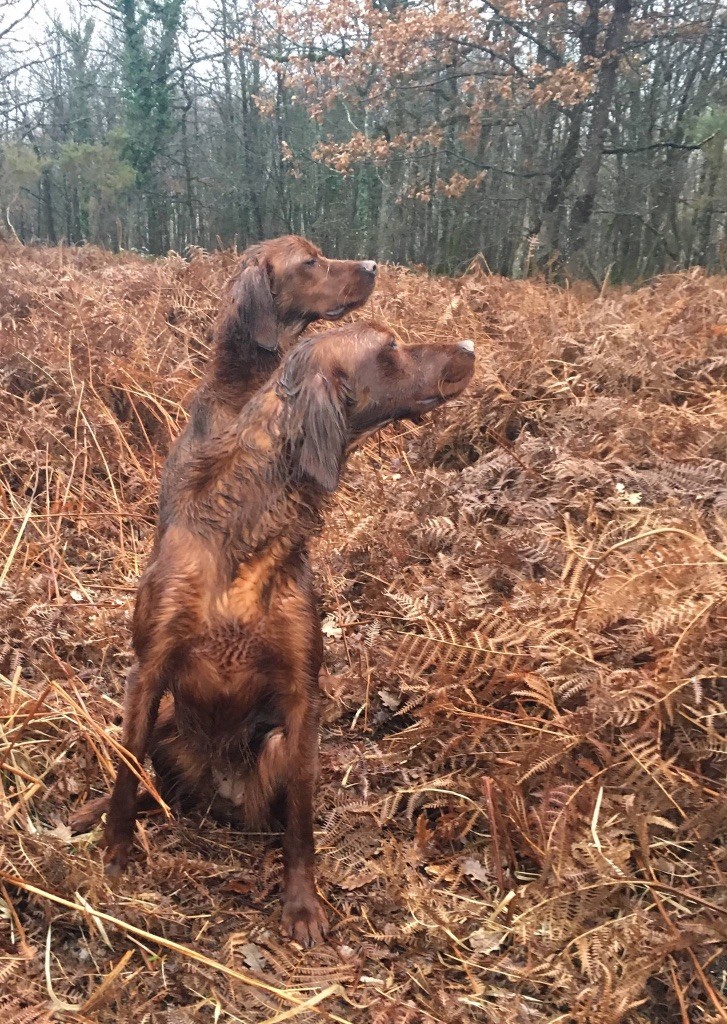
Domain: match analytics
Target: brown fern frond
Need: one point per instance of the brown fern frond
(521, 816)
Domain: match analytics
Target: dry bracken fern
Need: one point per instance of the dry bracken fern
(525, 741)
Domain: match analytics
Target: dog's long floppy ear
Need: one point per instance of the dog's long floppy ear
(249, 315)
(318, 427)
(323, 433)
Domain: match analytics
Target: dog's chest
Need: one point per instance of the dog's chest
(249, 669)
(259, 586)
(258, 635)
(266, 603)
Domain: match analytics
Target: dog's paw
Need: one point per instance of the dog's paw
(304, 920)
(88, 815)
(116, 854)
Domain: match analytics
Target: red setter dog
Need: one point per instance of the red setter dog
(224, 692)
(279, 288)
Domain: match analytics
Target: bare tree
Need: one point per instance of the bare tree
(580, 139)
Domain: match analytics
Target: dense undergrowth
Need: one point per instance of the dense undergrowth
(521, 810)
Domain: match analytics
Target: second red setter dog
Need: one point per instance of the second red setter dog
(224, 693)
(279, 288)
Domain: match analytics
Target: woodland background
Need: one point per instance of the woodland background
(577, 138)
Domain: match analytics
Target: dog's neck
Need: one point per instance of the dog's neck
(244, 492)
(237, 372)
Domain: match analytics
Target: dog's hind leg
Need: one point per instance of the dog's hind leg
(88, 815)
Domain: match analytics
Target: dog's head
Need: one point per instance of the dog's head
(284, 284)
(347, 383)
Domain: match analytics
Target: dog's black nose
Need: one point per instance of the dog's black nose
(369, 266)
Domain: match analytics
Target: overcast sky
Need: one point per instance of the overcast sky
(33, 19)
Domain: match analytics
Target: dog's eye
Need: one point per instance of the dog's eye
(392, 344)
(311, 262)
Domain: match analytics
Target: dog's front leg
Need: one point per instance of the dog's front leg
(143, 693)
(303, 916)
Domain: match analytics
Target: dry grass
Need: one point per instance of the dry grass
(521, 811)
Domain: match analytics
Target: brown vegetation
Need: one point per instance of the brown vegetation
(521, 811)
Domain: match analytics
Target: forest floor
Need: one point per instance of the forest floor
(521, 811)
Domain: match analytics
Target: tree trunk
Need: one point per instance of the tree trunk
(587, 177)
(714, 159)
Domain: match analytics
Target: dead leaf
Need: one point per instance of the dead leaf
(474, 869)
(330, 629)
(253, 957)
(62, 832)
(389, 699)
(486, 941)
